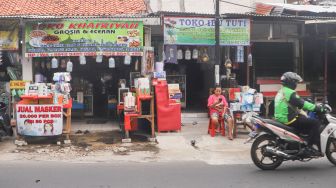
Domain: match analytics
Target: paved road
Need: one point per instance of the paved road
(159, 175)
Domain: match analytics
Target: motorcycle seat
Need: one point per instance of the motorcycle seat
(280, 125)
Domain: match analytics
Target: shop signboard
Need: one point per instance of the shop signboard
(17, 87)
(201, 31)
(17, 84)
(84, 37)
(9, 33)
(39, 120)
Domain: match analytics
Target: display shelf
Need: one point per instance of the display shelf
(181, 80)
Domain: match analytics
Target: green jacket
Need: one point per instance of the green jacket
(287, 104)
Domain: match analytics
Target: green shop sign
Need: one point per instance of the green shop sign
(201, 31)
(89, 38)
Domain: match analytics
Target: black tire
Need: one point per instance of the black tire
(275, 161)
(331, 150)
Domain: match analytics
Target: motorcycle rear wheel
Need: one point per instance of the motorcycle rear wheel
(259, 144)
(331, 150)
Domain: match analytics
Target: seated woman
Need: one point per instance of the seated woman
(218, 107)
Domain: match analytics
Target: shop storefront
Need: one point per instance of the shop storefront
(10, 65)
(189, 55)
(100, 55)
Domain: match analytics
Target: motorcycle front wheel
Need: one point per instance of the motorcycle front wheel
(331, 150)
(260, 157)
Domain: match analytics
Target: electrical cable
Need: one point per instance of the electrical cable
(255, 8)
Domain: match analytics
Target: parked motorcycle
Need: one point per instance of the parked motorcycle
(274, 143)
(5, 127)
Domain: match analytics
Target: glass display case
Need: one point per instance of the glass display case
(181, 80)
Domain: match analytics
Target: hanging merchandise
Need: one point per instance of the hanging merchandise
(63, 64)
(99, 58)
(111, 62)
(159, 67)
(127, 60)
(0, 57)
(163, 56)
(82, 60)
(205, 56)
(228, 66)
(179, 54)
(136, 65)
(240, 54)
(249, 59)
(54, 63)
(187, 54)
(48, 65)
(11, 73)
(195, 53)
(171, 53)
(69, 66)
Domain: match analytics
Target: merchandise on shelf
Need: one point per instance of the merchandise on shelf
(159, 74)
(142, 86)
(174, 91)
(129, 102)
(247, 100)
(61, 91)
(38, 89)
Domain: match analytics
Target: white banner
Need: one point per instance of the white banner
(39, 120)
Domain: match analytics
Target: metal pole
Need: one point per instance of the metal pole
(248, 67)
(326, 66)
(217, 46)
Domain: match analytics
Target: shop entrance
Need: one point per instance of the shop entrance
(193, 79)
(100, 84)
(94, 85)
(196, 90)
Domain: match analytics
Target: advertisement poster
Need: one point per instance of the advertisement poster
(147, 64)
(9, 33)
(201, 31)
(88, 38)
(39, 120)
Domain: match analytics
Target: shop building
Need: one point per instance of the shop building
(10, 62)
(101, 47)
(316, 45)
(186, 43)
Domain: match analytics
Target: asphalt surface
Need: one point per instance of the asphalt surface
(318, 173)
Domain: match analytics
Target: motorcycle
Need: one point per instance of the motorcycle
(274, 143)
(5, 127)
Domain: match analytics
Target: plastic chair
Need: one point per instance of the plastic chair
(212, 127)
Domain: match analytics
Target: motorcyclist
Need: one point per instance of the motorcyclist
(287, 107)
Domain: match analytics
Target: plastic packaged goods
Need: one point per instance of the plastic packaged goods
(179, 54)
(69, 66)
(99, 58)
(111, 62)
(195, 53)
(82, 60)
(188, 54)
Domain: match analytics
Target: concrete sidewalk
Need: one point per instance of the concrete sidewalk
(176, 146)
(212, 150)
(103, 144)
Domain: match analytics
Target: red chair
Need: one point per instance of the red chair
(212, 127)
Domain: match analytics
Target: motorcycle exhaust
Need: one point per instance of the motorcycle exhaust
(279, 153)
